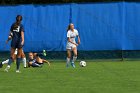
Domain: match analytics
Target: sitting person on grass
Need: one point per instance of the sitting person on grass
(36, 61)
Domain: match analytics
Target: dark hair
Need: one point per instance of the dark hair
(19, 16)
(18, 21)
(69, 26)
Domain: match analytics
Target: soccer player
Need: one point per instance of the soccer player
(15, 54)
(32, 61)
(17, 33)
(71, 44)
(36, 61)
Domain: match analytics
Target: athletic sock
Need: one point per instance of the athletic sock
(68, 61)
(74, 59)
(5, 62)
(18, 63)
(7, 68)
(24, 61)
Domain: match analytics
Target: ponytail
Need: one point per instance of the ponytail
(68, 27)
(18, 21)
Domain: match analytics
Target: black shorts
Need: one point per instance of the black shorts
(39, 63)
(15, 44)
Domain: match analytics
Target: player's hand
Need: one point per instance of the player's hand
(79, 42)
(76, 44)
(22, 43)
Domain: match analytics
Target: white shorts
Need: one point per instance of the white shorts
(70, 46)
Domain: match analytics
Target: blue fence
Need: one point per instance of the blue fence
(102, 26)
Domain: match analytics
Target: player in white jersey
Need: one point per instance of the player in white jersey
(71, 44)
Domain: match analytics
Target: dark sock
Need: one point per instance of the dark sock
(10, 61)
(35, 65)
(18, 63)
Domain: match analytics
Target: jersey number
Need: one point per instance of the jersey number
(17, 30)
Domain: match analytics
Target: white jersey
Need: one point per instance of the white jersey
(72, 35)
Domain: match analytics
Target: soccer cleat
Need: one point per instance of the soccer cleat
(7, 68)
(1, 65)
(72, 64)
(17, 71)
(67, 65)
(44, 53)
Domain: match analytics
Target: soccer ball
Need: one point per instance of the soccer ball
(83, 64)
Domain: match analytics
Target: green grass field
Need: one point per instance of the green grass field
(97, 77)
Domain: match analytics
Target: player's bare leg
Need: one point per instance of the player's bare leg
(10, 60)
(74, 57)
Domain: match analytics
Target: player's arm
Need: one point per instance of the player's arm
(22, 37)
(10, 34)
(9, 37)
(78, 37)
(47, 62)
(79, 41)
(72, 42)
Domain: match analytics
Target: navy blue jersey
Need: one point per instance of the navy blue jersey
(32, 60)
(16, 30)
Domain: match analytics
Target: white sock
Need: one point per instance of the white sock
(8, 67)
(24, 61)
(68, 61)
(5, 62)
(74, 58)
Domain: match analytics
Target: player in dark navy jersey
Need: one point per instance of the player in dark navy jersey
(32, 61)
(36, 61)
(17, 34)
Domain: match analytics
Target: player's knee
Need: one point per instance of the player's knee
(18, 56)
(12, 57)
(23, 56)
(75, 55)
(68, 56)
